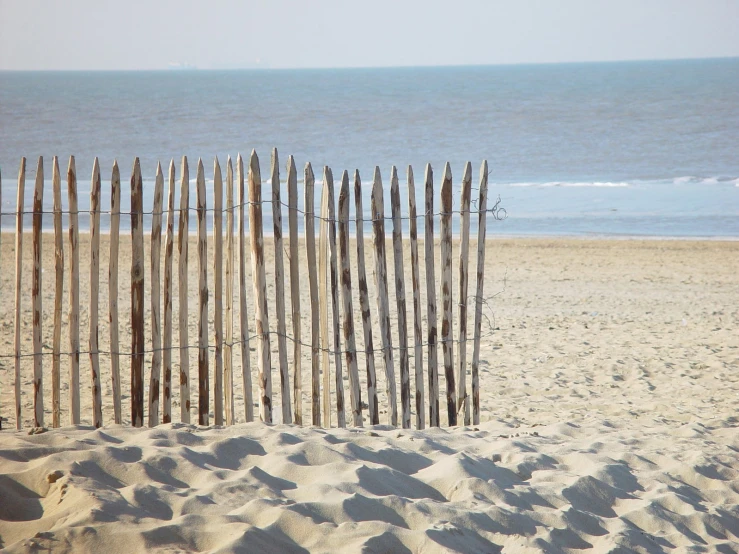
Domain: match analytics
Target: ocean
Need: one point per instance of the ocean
(591, 149)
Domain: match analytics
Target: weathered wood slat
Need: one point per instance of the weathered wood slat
(292, 218)
(18, 283)
(364, 303)
(447, 334)
(203, 358)
(482, 206)
(115, 223)
(167, 320)
(243, 316)
(310, 246)
(464, 248)
(405, 378)
(36, 299)
(383, 306)
(56, 365)
(228, 378)
(417, 323)
(431, 316)
(93, 343)
(74, 296)
(355, 394)
(218, 291)
(323, 303)
(156, 302)
(328, 179)
(280, 291)
(182, 248)
(261, 316)
(138, 339)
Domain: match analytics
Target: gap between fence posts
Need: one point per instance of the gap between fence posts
(115, 223)
(482, 206)
(447, 333)
(156, 335)
(97, 399)
(182, 247)
(310, 246)
(463, 404)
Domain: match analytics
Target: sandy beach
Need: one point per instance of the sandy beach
(609, 420)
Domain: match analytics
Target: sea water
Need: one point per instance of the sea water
(591, 149)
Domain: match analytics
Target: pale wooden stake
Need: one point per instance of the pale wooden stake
(228, 377)
(156, 300)
(243, 316)
(464, 248)
(482, 206)
(93, 343)
(203, 369)
(416, 282)
(18, 283)
(323, 303)
(182, 242)
(74, 296)
(38, 368)
(355, 392)
(292, 218)
(447, 334)
(167, 321)
(280, 291)
(138, 338)
(261, 316)
(115, 223)
(56, 405)
(383, 305)
(364, 303)
(218, 291)
(328, 181)
(310, 246)
(431, 301)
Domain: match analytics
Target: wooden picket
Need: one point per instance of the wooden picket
(431, 317)
(18, 282)
(447, 333)
(218, 292)
(138, 341)
(93, 344)
(482, 206)
(115, 221)
(310, 247)
(58, 294)
(156, 307)
(203, 358)
(167, 322)
(292, 216)
(417, 323)
(182, 248)
(74, 295)
(38, 372)
(228, 378)
(464, 248)
(243, 319)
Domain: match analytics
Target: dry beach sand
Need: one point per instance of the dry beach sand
(610, 420)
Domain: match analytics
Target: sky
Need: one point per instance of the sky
(230, 34)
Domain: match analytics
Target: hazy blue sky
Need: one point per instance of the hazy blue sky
(143, 34)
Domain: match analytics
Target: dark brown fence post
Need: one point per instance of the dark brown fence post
(447, 334)
(464, 248)
(74, 296)
(182, 247)
(38, 368)
(156, 302)
(482, 206)
(431, 300)
(58, 295)
(167, 322)
(203, 366)
(415, 278)
(218, 291)
(138, 340)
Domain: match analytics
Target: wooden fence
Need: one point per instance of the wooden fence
(330, 259)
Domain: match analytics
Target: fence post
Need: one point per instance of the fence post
(415, 278)
(280, 290)
(355, 393)
(292, 218)
(310, 246)
(447, 334)
(182, 247)
(431, 300)
(97, 400)
(383, 307)
(167, 334)
(328, 180)
(203, 369)
(138, 340)
(323, 303)
(228, 375)
(464, 248)
(18, 282)
(364, 304)
(56, 364)
(482, 206)
(115, 222)
(261, 317)
(38, 371)
(156, 335)
(243, 319)
(218, 290)
(74, 296)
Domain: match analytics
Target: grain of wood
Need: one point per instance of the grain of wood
(280, 291)
(355, 394)
(417, 322)
(156, 299)
(74, 295)
(405, 379)
(94, 326)
(167, 320)
(310, 246)
(261, 316)
(447, 333)
(138, 340)
(482, 206)
(182, 271)
(56, 340)
(203, 358)
(218, 291)
(243, 316)
(463, 406)
(292, 217)
(18, 282)
(115, 223)
(383, 305)
(323, 304)
(36, 299)
(228, 378)
(364, 303)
